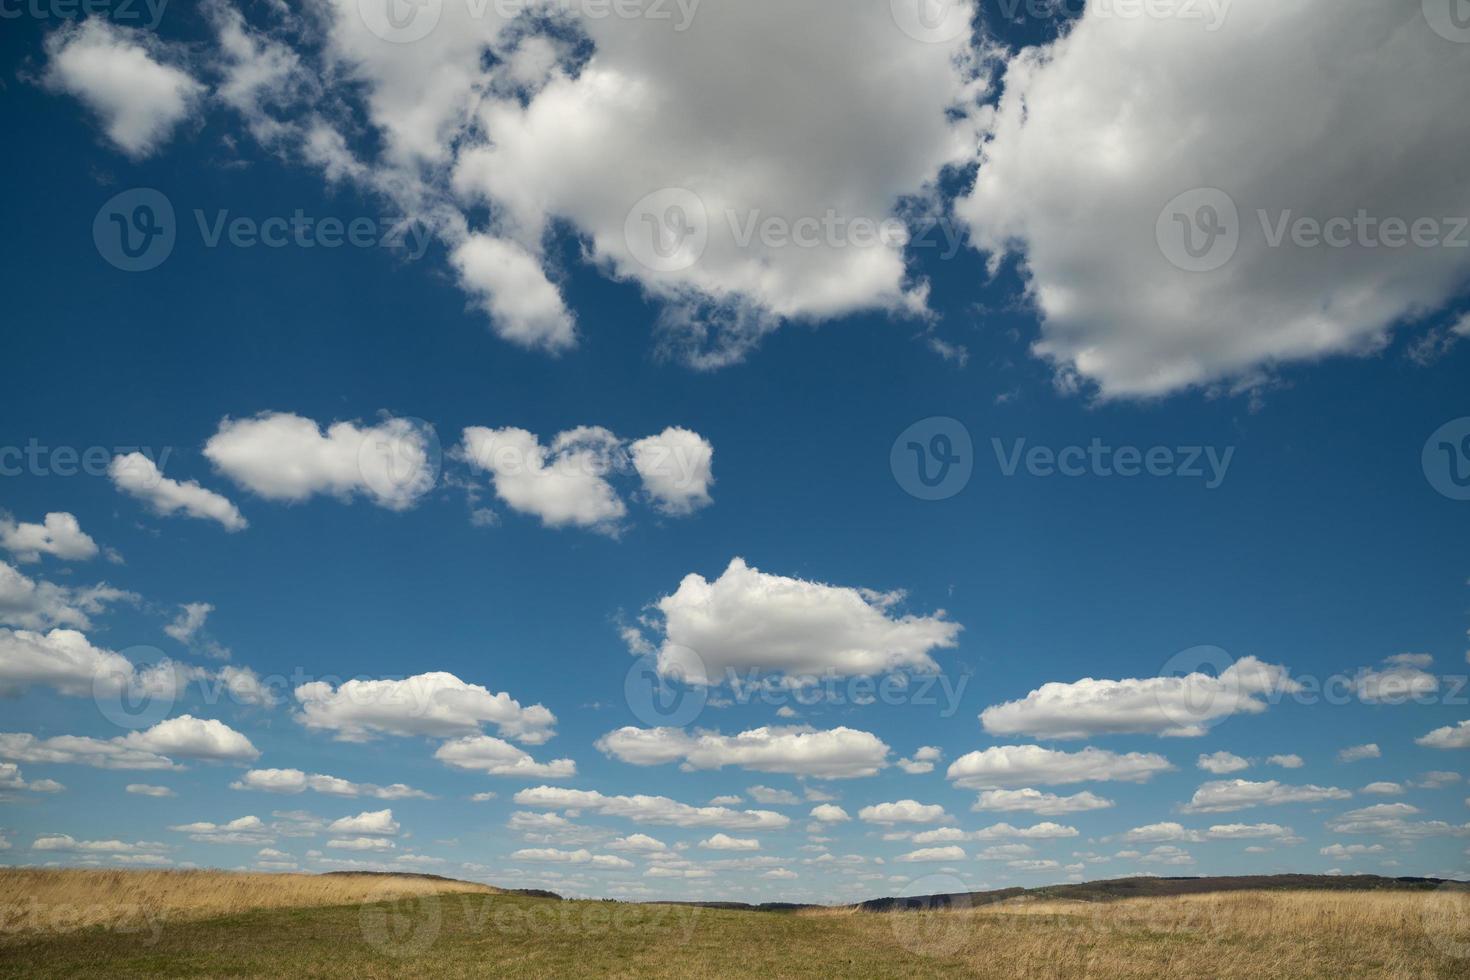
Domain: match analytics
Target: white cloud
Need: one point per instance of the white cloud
(66, 661)
(296, 781)
(637, 843)
(903, 811)
(554, 856)
(780, 874)
(67, 843)
(436, 704)
(563, 485)
(59, 535)
(1035, 801)
(766, 795)
(724, 842)
(676, 469)
(922, 762)
(1041, 831)
(1237, 794)
(138, 476)
(1286, 761)
(1357, 753)
(747, 619)
(362, 844)
(245, 686)
(482, 753)
(1156, 832)
(193, 738)
(1382, 789)
(79, 750)
(1222, 762)
(1247, 831)
(121, 76)
(288, 458)
(242, 830)
(1167, 854)
(37, 604)
(829, 813)
(144, 789)
(1173, 706)
(1349, 851)
(12, 778)
(939, 835)
(1448, 737)
(509, 284)
(1402, 679)
(189, 621)
(369, 822)
(840, 753)
(1020, 765)
(1098, 131)
(651, 809)
(952, 852)
(1393, 820)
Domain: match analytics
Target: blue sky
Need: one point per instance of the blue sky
(746, 490)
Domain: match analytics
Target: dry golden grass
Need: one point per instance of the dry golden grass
(55, 900)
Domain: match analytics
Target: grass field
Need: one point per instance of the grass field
(464, 931)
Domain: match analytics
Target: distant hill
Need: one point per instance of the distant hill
(1116, 888)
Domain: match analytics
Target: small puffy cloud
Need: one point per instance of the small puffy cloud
(1394, 820)
(952, 852)
(194, 738)
(1157, 832)
(1285, 761)
(640, 844)
(362, 844)
(1035, 801)
(189, 621)
(1346, 852)
(922, 761)
(296, 781)
(1382, 789)
(903, 811)
(1237, 794)
(779, 874)
(12, 778)
(676, 469)
(68, 844)
(79, 750)
(750, 620)
(288, 458)
(840, 753)
(67, 662)
(483, 753)
(939, 835)
(1045, 830)
(1402, 678)
(1247, 831)
(1021, 765)
(1357, 753)
(438, 705)
(829, 813)
(509, 283)
(121, 75)
(1173, 706)
(145, 789)
(242, 830)
(582, 856)
(724, 842)
(1167, 854)
(563, 485)
(1448, 737)
(59, 535)
(36, 604)
(766, 795)
(138, 476)
(650, 809)
(374, 822)
(1222, 762)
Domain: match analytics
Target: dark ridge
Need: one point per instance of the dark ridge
(1118, 888)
